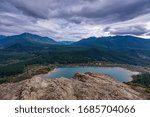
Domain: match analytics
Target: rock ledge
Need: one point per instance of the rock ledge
(82, 86)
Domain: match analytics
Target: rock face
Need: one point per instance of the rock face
(82, 86)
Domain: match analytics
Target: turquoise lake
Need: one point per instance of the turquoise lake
(118, 73)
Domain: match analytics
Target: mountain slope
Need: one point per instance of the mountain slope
(25, 39)
(115, 42)
(65, 42)
(2, 37)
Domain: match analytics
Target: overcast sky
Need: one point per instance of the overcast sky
(75, 19)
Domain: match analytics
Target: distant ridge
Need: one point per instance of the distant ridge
(2, 38)
(114, 42)
(65, 42)
(29, 39)
(25, 39)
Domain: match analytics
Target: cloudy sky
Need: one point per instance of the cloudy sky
(75, 19)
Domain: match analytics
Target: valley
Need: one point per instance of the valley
(25, 56)
(75, 50)
(20, 51)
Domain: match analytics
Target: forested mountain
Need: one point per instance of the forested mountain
(25, 39)
(18, 52)
(2, 36)
(65, 42)
(115, 42)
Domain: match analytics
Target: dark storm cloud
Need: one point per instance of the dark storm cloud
(109, 9)
(70, 16)
(148, 34)
(131, 30)
(32, 8)
(116, 10)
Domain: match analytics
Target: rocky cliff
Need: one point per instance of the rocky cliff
(82, 86)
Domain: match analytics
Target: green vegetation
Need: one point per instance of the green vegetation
(142, 80)
(27, 73)
(17, 58)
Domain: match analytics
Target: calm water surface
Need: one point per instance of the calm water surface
(118, 73)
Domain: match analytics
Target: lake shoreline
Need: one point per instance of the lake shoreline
(93, 69)
(40, 75)
(133, 68)
(126, 66)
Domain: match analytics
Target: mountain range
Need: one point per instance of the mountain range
(115, 42)
(29, 40)
(118, 49)
(91, 42)
(1, 36)
(20, 51)
(25, 39)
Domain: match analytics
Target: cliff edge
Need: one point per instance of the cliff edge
(82, 86)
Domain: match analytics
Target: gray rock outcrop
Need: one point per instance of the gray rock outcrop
(82, 86)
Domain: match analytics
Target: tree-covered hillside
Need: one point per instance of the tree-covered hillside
(28, 49)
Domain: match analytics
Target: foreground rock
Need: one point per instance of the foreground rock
(82, 86)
